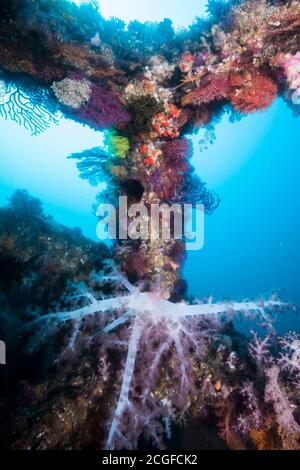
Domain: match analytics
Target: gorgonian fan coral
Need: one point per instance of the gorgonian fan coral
(215, 88)
(25, 110)
(178, 152)
(252, 92)
(91, 165)
(149, 86)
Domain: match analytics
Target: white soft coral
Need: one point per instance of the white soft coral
(156, 327)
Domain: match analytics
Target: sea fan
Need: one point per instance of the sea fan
(252, 92)
(215, 88)
(92, 165)
(25, 110)
(218, 9)
(177, 153)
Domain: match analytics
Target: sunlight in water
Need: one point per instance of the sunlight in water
(182, 13)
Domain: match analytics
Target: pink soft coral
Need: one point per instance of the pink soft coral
(289, 360)
(291, 66)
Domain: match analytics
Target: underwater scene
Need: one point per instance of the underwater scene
(149, 225)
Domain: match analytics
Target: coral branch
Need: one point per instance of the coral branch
(123, 401)
(23, 110)
(174, 327)
(275, 395)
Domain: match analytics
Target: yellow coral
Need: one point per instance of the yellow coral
(118, 145)
(289, 441)
(118, 170)
(265, 438)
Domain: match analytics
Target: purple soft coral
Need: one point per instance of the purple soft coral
(277, 396)
(103, 110)
(289, 358)
(260, 351)
(252, 417)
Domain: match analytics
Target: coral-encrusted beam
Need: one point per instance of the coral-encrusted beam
(123, 401)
